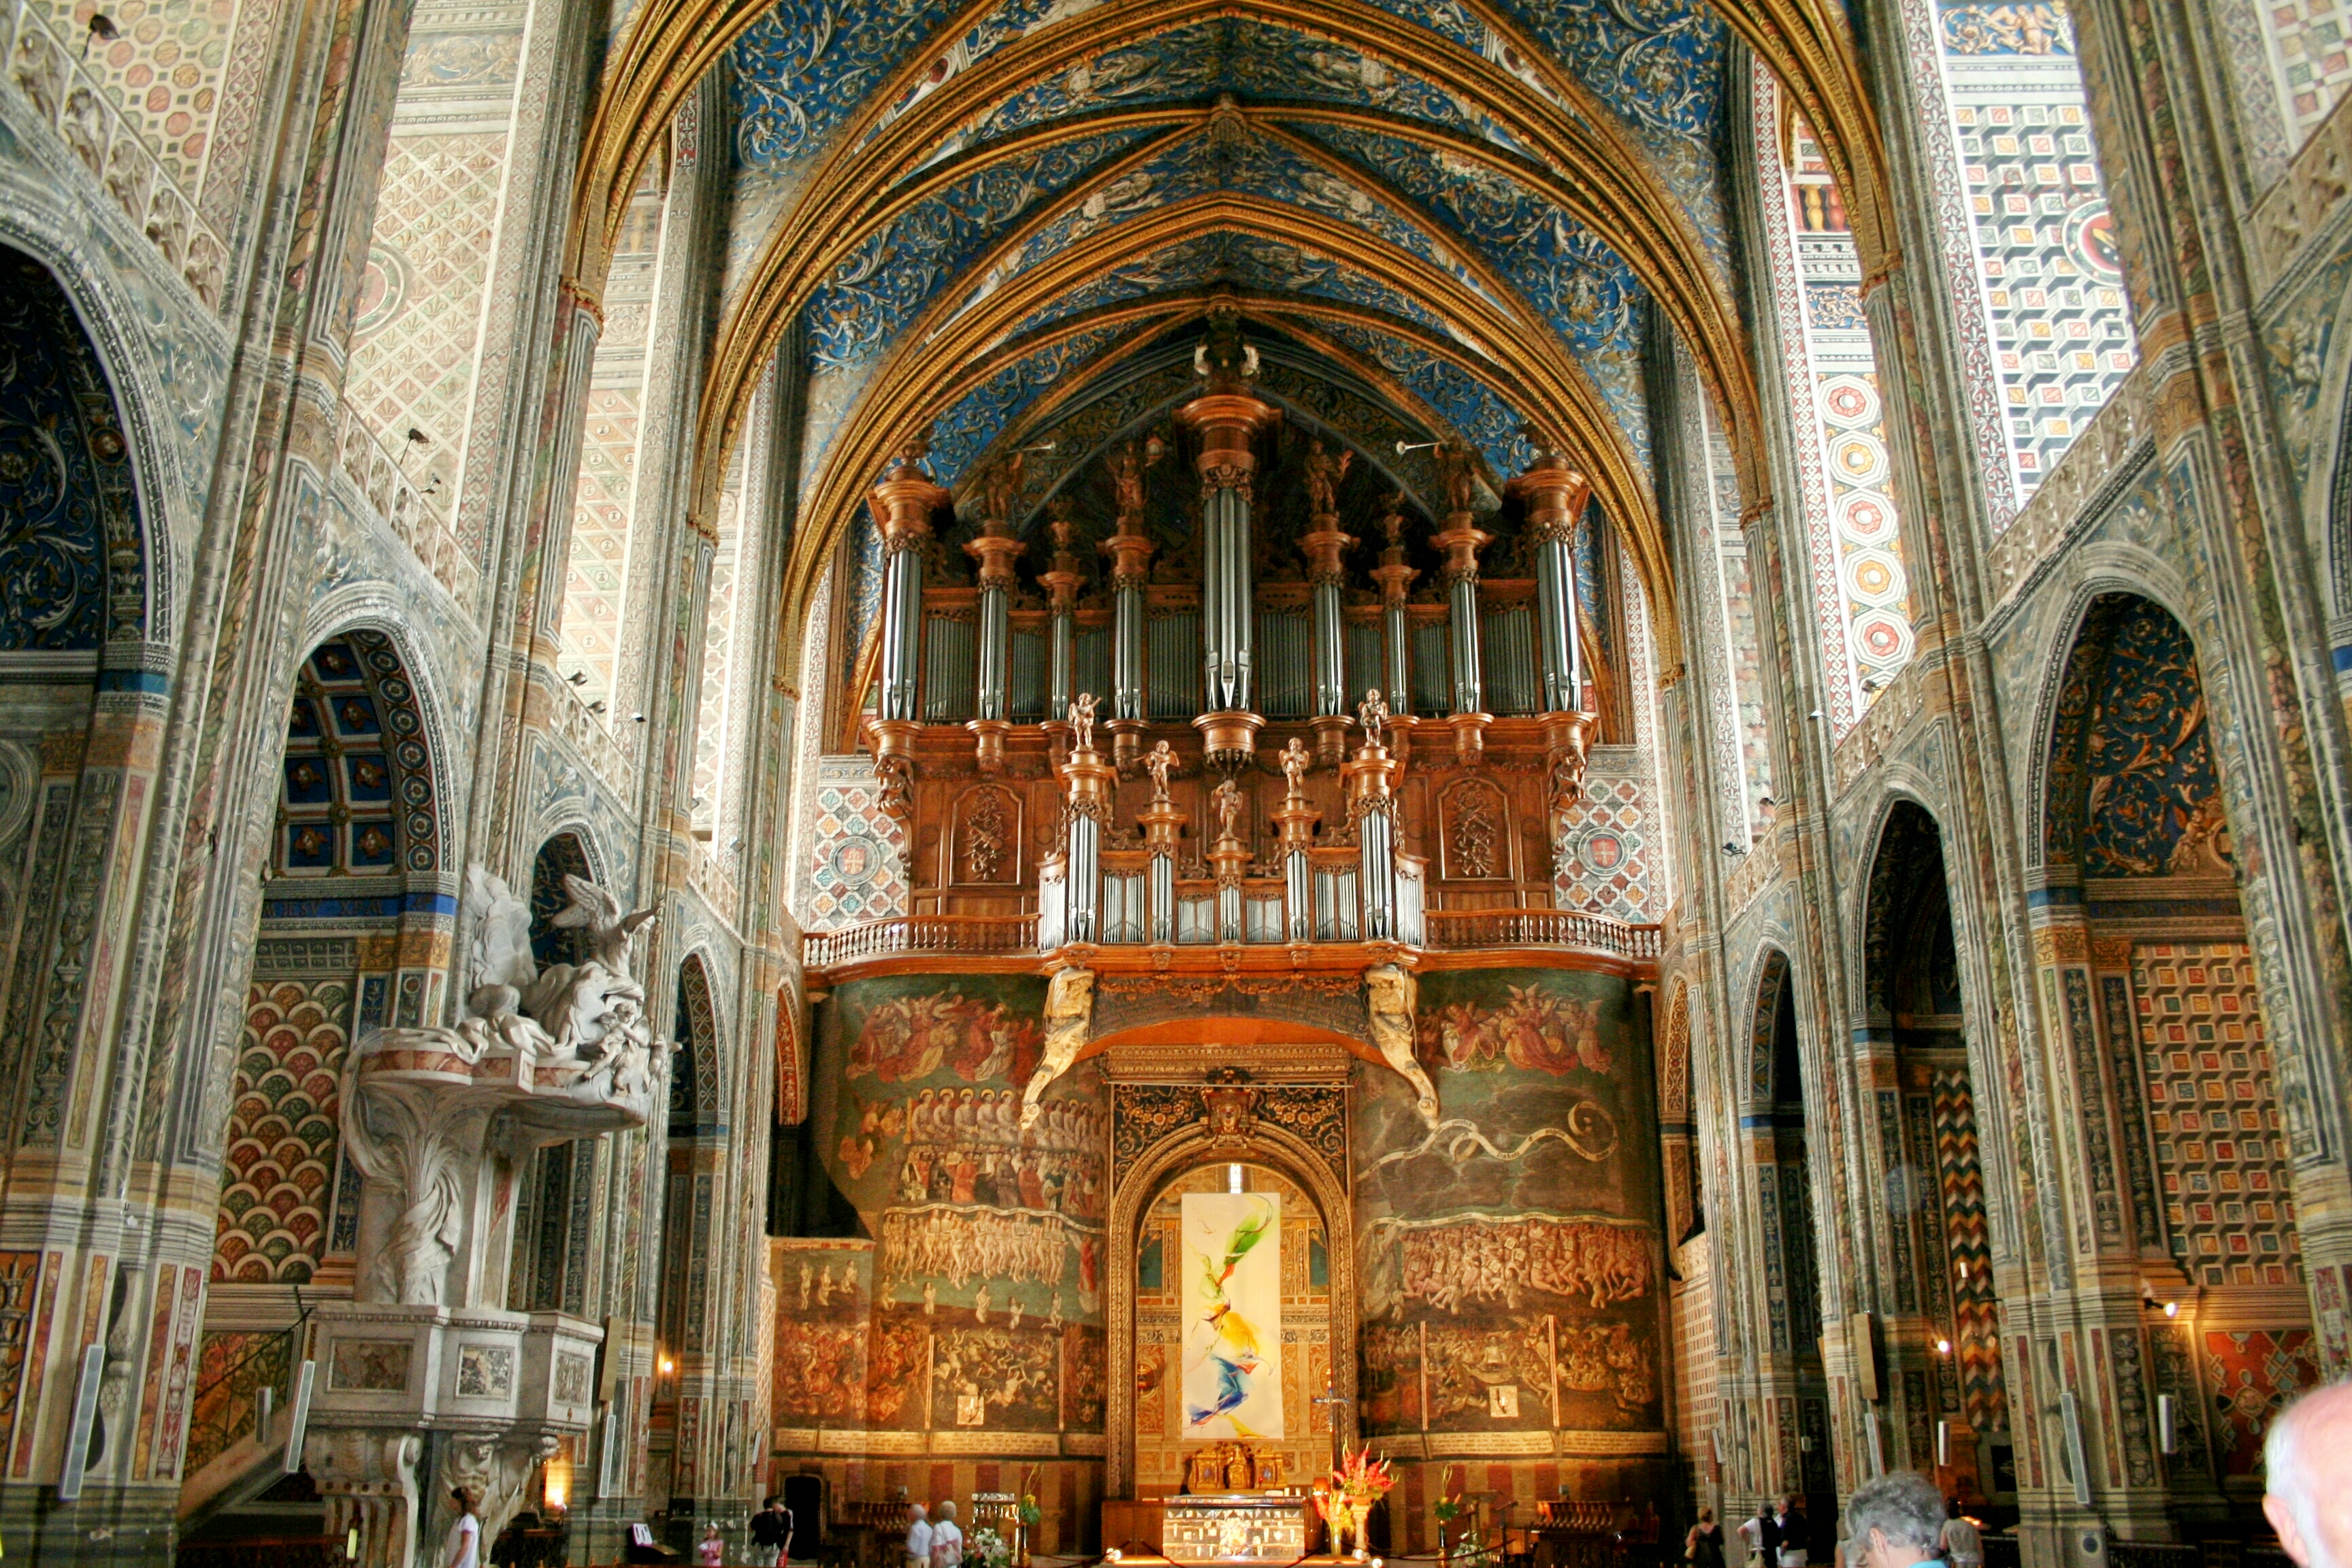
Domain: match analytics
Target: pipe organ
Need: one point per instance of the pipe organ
(1268, 722)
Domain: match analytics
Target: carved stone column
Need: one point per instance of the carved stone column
(439, 1121)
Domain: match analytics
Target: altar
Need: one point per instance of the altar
(1214, 1528)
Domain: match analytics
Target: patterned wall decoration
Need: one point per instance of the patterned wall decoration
(2047, 254)
(2132, 789)
(2292, 52)
(1601, 863)
(2253, 1375)
(71, 559)
(597, 573)
(2220, 1153)
(712, 710)
(1967, 1244)
(858, 871)
(356, 796)
(163, 71)
(282, 1141)
(1512, 1255)
(232, 1367)
(1853, 538)
(419, 310)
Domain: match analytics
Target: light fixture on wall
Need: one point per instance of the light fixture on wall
(1734, 848)
(101, 29)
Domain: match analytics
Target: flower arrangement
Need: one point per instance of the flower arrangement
(983, 1548)
(1362, 1477)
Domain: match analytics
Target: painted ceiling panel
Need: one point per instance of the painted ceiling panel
(1572, 277)
(1241, 261)
(879, 288)
(965, 431)
(1476, 410)
(1658, 64)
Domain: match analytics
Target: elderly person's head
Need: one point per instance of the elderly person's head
(946, 1511)
(1896, 1520)
(916, 1513)
(2308, 1456)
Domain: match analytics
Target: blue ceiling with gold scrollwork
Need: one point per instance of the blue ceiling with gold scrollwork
(1034, 148)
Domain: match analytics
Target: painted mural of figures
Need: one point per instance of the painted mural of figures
(1481, 1260)
(911, 1037)
(1536, 1029)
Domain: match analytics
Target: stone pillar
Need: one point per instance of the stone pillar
(1227, 416)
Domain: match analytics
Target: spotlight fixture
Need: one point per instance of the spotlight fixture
(1733, 847)
(1405, 447)
(101, 29)
(578, 678)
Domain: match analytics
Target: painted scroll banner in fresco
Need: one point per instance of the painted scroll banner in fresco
(1232, 1315)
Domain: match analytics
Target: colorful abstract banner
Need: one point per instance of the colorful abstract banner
(1232, 1315)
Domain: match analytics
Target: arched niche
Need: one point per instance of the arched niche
(1938, 1266)
(1249, 1141)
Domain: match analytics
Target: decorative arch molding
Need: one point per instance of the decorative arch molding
(1887, 895)
(2327, 507)
(374, 613)
(1139, 1182)
(2108, 568)
(698, 1012)
(1767, 980)
(171, 497)
(1893, 788)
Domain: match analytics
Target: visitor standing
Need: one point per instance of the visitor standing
(947, 1541)
(713, 1553)
(1756, 1533)
(1791, 1537)
(1897, 1520)
(2307, 1460)
(772, 1534)
(1703, 1547)
(919, 1537)
(1963, 1544)
(464, 1547)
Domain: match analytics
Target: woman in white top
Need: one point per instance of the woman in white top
(947, 1541)
(464, 1547)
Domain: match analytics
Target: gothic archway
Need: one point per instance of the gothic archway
(1941, 1261)
(1250, 1140)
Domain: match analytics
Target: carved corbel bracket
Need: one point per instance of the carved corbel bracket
(1389, 997)
(1069, 1015)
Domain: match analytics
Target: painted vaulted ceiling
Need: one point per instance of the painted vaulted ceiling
(1477, 214)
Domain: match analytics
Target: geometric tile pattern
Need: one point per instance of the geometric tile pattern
(2220, 1151)
(855, 874)
(593, 588)
(420, 303)
(282, 1137)
(2254, 1377)
(2051, 273)
(2309, 41)
(1976, 1311)
(711, 717)
(1865, 567)
(162, 72)
(595, 581)
(1603, 863)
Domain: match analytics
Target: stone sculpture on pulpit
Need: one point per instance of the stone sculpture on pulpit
(440, 1122)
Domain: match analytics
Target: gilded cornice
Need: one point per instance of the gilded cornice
(1530, 367)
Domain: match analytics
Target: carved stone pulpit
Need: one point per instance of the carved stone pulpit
(425, 1381)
